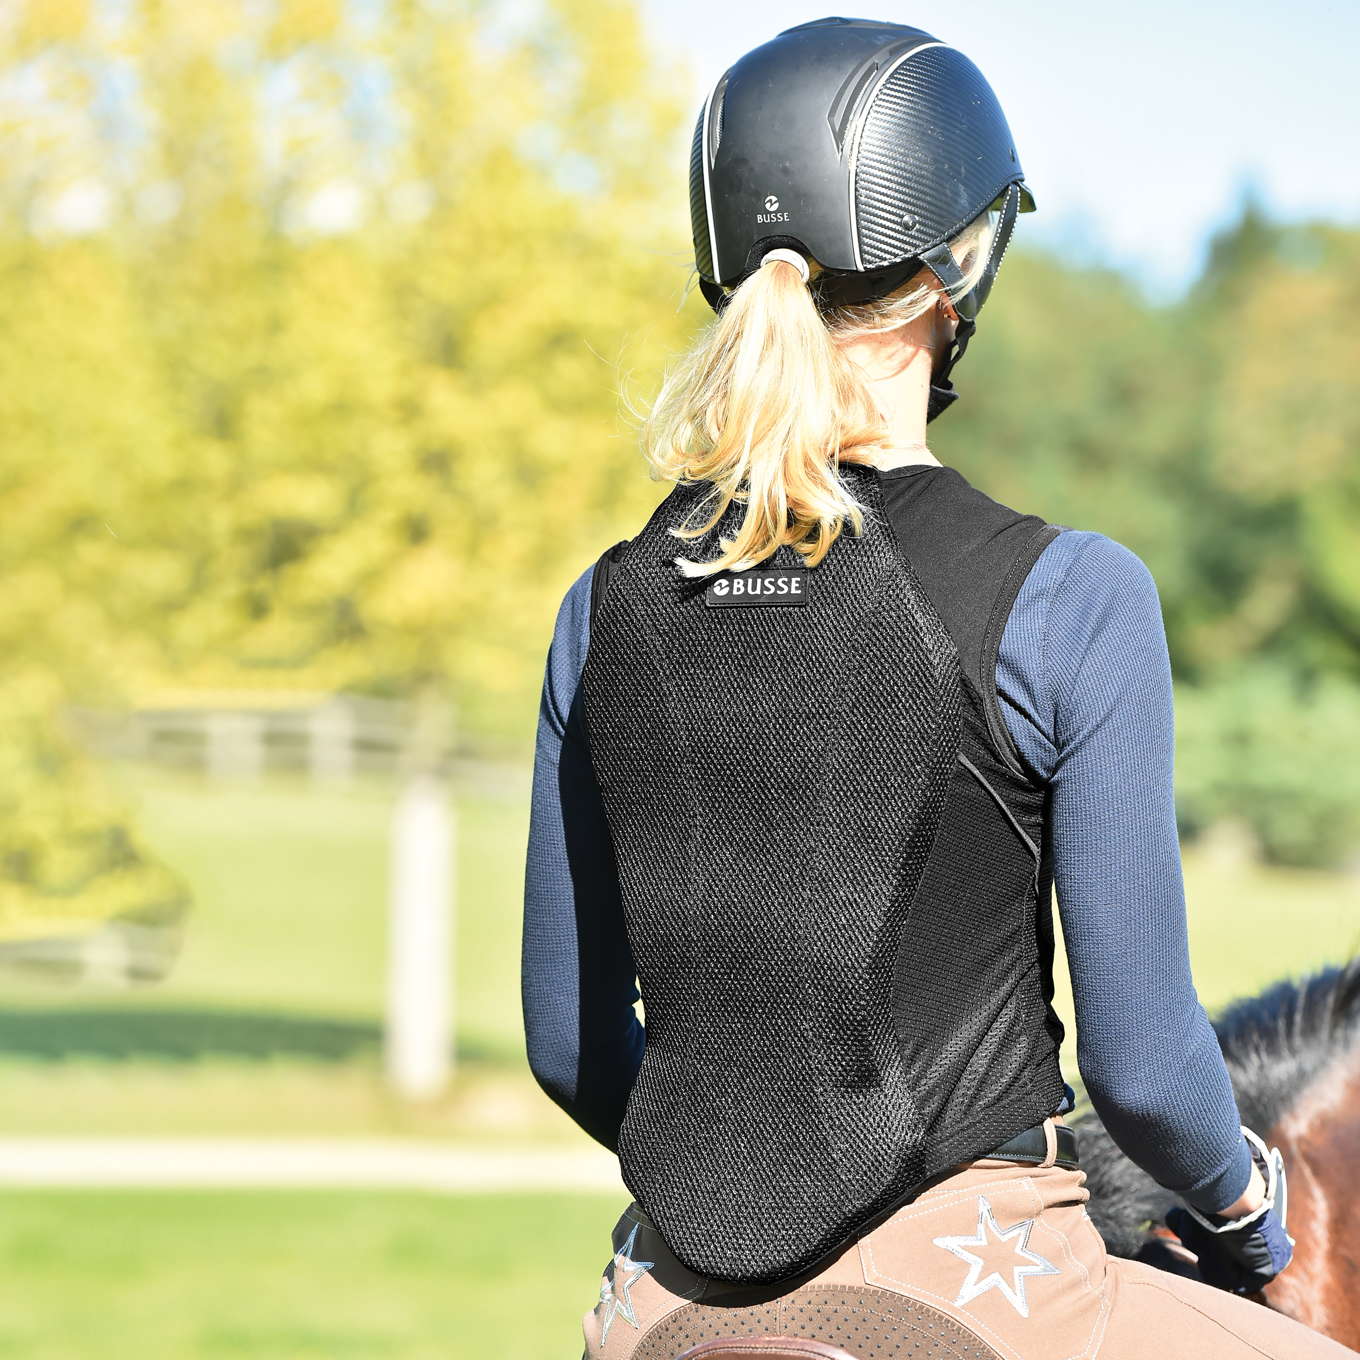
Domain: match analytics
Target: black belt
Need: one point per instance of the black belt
(1032, 1146)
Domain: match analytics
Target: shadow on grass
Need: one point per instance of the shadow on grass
(73, 1033)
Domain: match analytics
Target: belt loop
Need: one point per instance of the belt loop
(1050, 1141)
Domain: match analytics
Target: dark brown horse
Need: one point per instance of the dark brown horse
(1294, 1056)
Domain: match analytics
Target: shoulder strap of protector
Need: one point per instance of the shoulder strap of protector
(600, 578)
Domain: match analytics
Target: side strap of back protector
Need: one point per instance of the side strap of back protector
(600, 577)
(991, 643)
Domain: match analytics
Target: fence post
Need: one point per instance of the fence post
(105, 958)
(331, 741)
(419, 985)
(235, 745)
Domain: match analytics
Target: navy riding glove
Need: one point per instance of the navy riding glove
(1241, 1259)
(1241, 1255)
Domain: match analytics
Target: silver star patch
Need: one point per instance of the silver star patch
(615, 1297)
(977, 1282)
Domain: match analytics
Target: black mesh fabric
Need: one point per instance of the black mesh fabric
(982, 873)
(832, 914)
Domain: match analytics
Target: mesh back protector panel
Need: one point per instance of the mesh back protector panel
(832, 913)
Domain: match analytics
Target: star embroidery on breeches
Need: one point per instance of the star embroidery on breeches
(615, 1296)
(1008, 1276)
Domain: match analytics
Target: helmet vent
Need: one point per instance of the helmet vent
(698, 203)
(851, 94)
(715, 120)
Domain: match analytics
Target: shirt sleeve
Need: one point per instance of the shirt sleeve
(578, 980)
(1084, 679)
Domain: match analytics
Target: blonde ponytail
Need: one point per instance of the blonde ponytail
(767, 403)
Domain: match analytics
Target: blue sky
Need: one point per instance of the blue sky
(1138, 126)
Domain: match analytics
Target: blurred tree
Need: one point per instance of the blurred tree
(1216, 438)
(318, 316)
(1278, 754)
(305, 322)
(1074, 404)
(1235, 253)
(81, 410)
(1285, 428)
(389, 361)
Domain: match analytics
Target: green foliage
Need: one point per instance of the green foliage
(357, 345)
(1284, 429)
(1217, 439)
(1072, 404)
(78, 412)
(317, 321)
(295, 372)
(1277, 754)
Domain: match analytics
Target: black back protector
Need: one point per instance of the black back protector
(831, 864)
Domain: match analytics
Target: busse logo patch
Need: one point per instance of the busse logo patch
(759, 585)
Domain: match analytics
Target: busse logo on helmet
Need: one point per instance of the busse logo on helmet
(772, 213)
(768, 585)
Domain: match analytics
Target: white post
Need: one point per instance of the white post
(419, 986)
(105, 956)
(331, 746)
(235, 745)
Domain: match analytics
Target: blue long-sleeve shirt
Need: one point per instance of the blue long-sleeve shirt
(1084, 682)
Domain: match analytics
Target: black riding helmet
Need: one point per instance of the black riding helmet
(865, 146)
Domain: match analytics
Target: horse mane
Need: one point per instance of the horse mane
(1276, 1045)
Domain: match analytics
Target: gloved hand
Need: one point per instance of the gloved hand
(1241, 1255)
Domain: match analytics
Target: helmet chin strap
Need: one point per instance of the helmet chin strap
(941, 262)
(942, 393)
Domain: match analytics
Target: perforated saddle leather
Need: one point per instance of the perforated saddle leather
(771, 1347)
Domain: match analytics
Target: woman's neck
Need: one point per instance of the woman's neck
(897, 367)
(902, 457)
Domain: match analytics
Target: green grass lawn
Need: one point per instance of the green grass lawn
(194, 1276)
(290, 895)
(291, 884)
